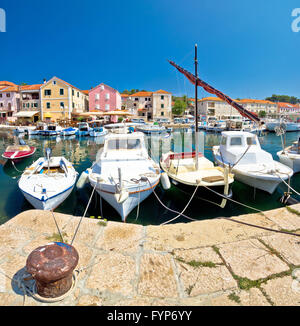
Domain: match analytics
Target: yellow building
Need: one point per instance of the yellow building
(60, 99)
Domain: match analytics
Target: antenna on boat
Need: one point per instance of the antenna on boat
(196, 110)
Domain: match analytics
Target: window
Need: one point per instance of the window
(162, 113)
(28, 105)
(77, 94)
(61, 91)
(1, 105)
(8, 95)
(62, 105)
(124, 144)
(106, 107)
(48, 105)
(107, 96)
(72, 92)
(47, 92)
(162, 106)
(97, 106)
(0, 95)
(97, 97)
(24, 105)
(54, 82)
(251, 141)
(136, 99)
(236, 141)
(73, 105)
(162, 97)
(35, 105)
(223, 141)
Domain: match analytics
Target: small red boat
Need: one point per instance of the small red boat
(18, 152)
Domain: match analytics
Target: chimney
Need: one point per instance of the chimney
(45, 81)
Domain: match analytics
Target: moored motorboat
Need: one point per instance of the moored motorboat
(83, 129)
(98, 132)
(124, 174)
(241, 152)
(272, 124)
(151, 129)
(48, 182)
(51, 129)
(68, 131)
(290, 156)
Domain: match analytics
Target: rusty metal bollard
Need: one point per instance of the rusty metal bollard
(52, 267)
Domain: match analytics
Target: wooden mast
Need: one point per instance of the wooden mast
(196, 110)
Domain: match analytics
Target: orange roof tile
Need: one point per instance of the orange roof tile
(125, 95)
(11, 89)
(6, 83)
(246, 100)
(142, 94)
(31, 87)
(161, 91)
(86, 92)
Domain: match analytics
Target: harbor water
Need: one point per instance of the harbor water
(82, 153)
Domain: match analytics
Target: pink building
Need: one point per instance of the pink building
(104, 98)
(9, 101)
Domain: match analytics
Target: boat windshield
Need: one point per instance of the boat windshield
(236, 141)
(251, 141)
(115, 144)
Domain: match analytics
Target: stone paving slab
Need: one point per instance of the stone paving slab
(285, 218)
(281, 291)
(198, 263)
(251, 259)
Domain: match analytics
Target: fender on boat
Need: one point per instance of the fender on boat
(165, 181)
(83, 179)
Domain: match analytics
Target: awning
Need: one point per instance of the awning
(47, 115)
(26, 114)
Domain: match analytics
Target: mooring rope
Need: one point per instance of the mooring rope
(88, 204)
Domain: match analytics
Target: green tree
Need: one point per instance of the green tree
(262, 114)
(179, 107)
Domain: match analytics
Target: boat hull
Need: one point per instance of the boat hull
(265, 182)
(136, 196)
(50, 203)
(203, 193)
(291, 161)
(21, 155)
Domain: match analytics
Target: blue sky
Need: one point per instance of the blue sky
(246, 48)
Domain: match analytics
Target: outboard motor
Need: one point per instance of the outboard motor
(286, 199)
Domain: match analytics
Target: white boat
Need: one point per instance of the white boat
(248, 162)
(38, 130)
(83, 129)
(98, 132)
(290, 156)
(123, 173)
(68, 131)
(287, 125)
(217, 126)
(48, 182)
(150, 129)
(52, 129)
(183, 173)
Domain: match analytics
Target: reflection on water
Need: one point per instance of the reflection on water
(82, 152)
